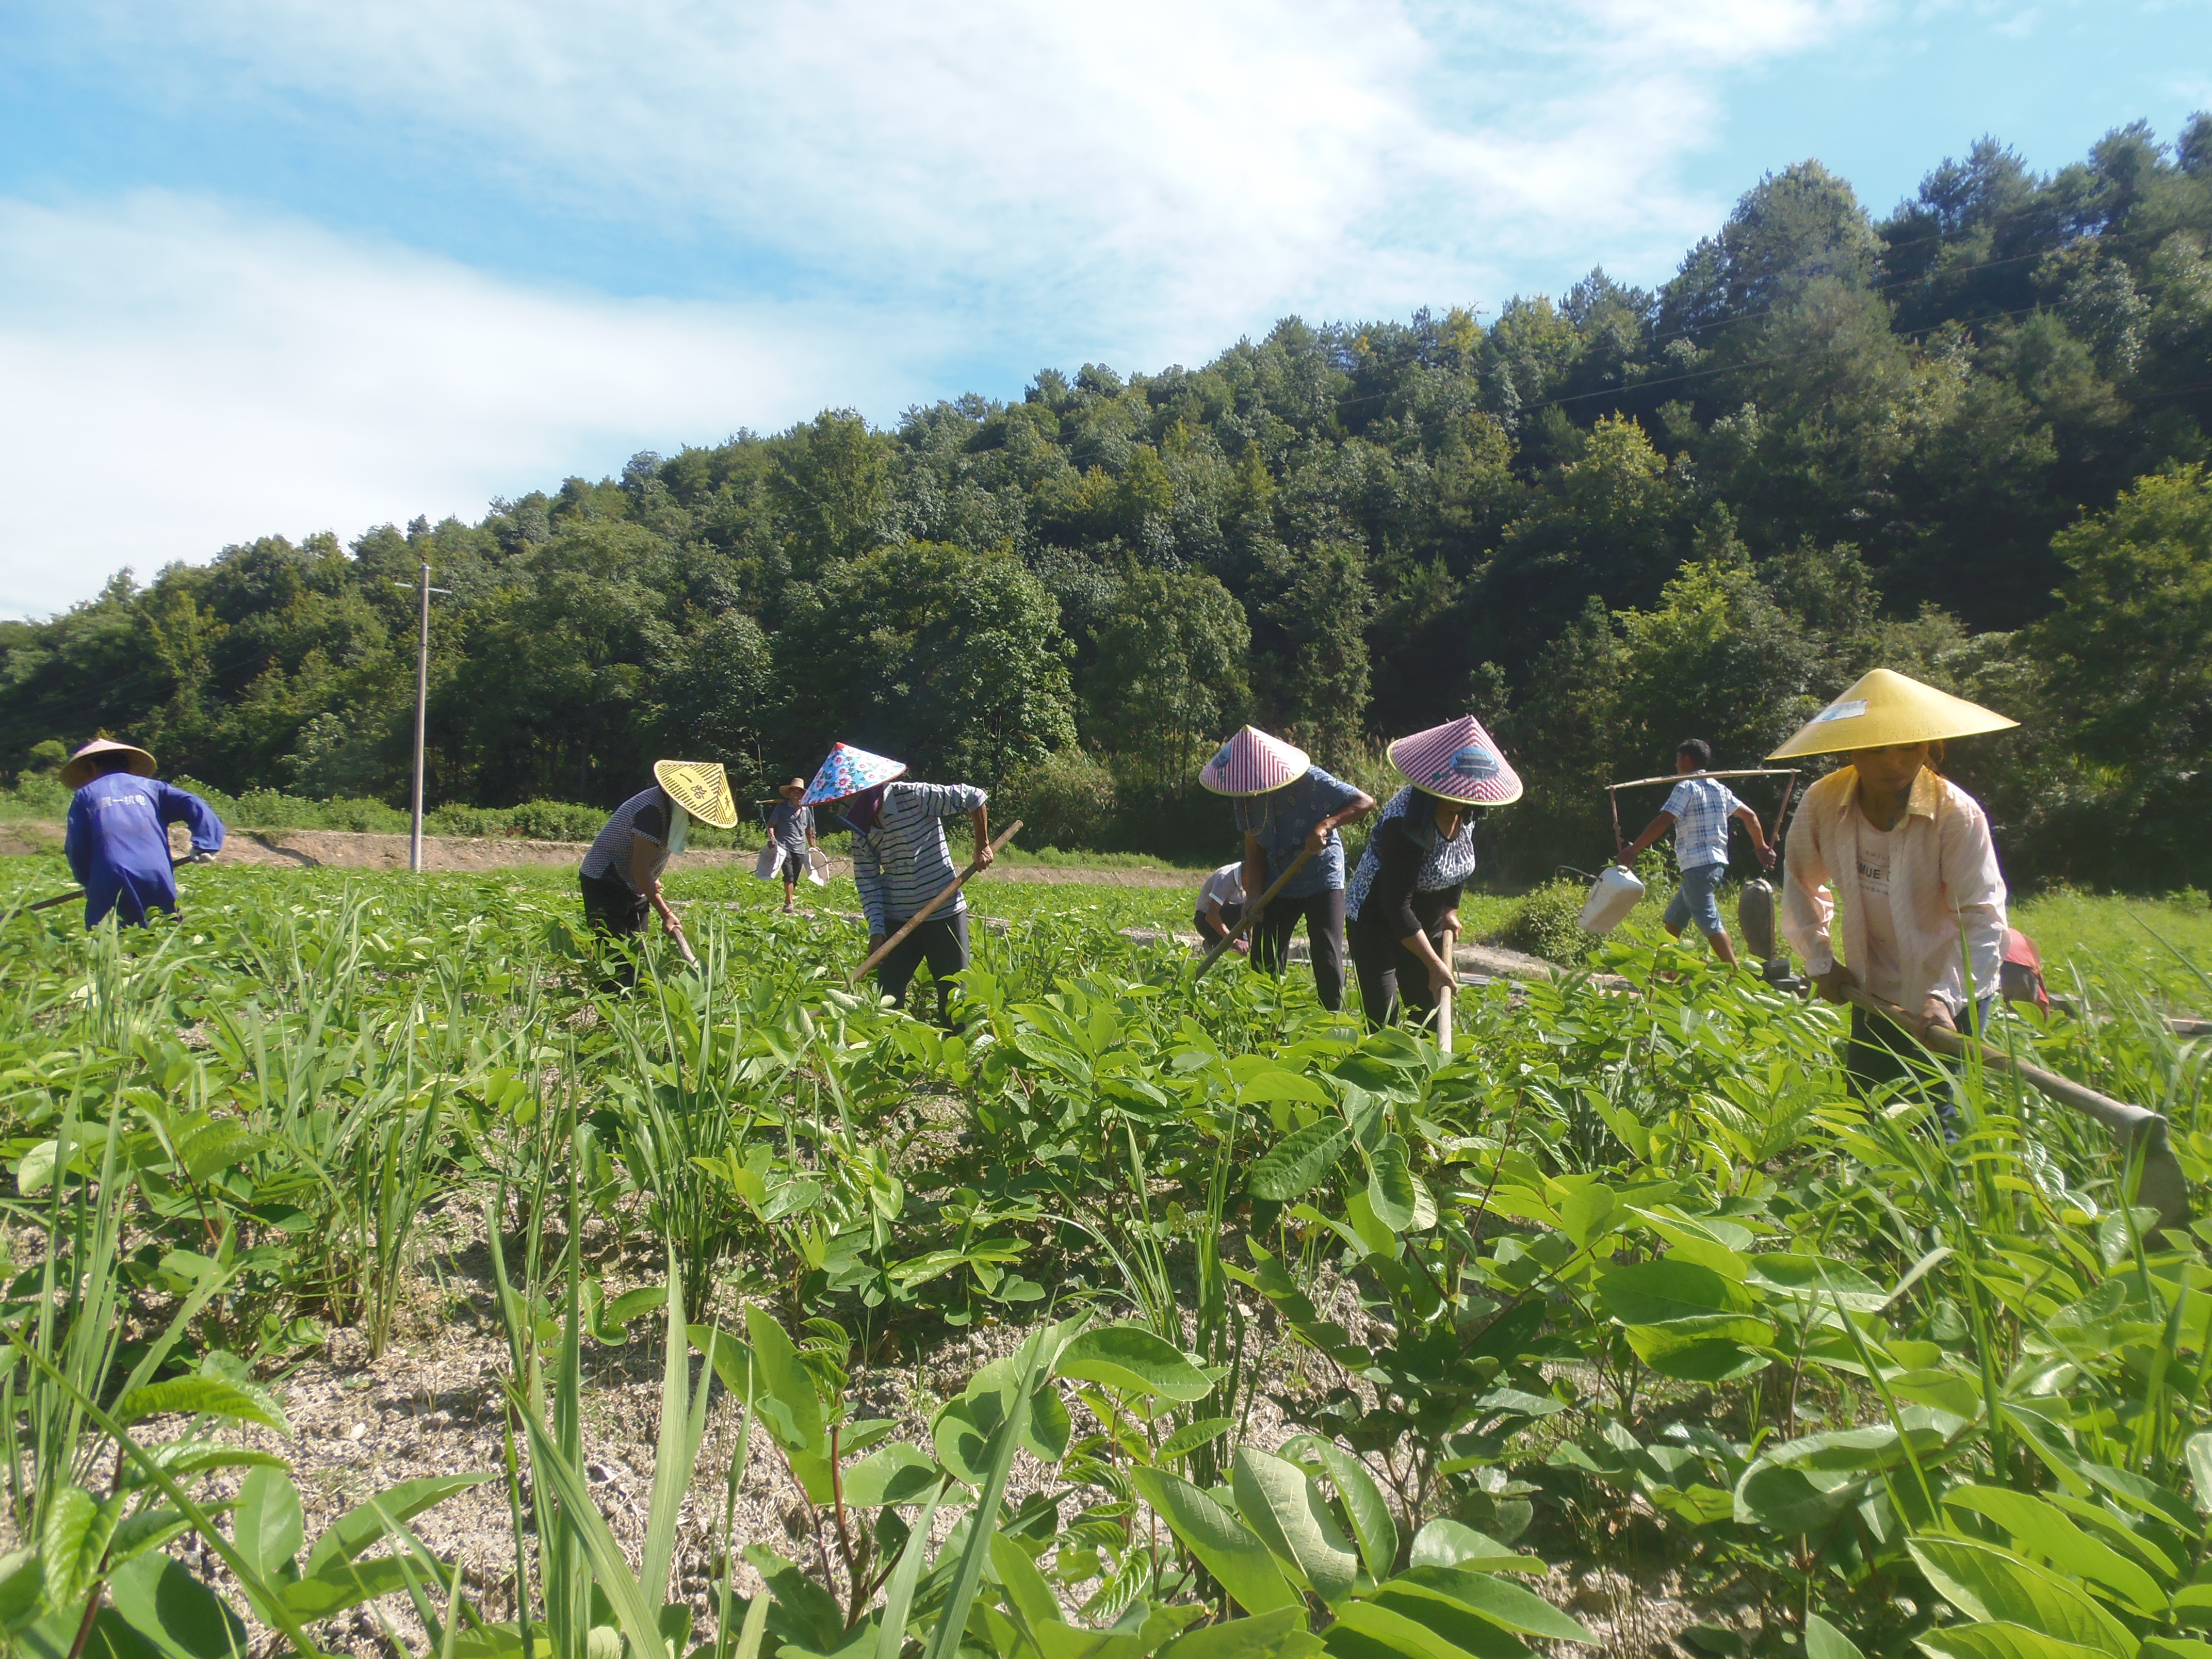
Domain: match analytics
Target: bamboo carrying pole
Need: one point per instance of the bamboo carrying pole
(1251, 914)
(923, 915)
(2142, 1134)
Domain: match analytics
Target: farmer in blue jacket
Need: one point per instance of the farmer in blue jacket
(118, 837)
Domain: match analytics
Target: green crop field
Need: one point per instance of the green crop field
(384, 1279)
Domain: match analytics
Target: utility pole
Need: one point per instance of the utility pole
(421, 714)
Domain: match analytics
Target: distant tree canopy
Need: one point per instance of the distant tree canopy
(1968, 441)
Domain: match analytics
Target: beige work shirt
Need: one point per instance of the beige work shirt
(1943, 884)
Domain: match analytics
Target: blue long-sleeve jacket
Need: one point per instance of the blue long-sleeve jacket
(118, 843)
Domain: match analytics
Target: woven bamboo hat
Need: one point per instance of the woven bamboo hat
(1252, 763)
(848, 772)
(78, 772)
(1884, 708)
(1458, 761)
(701, 788)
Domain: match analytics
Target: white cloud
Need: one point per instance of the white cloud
(181, 377)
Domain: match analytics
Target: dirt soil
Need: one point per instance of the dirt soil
(347, 849)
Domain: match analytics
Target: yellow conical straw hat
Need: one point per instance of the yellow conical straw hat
(1885, 708)
(701, 788)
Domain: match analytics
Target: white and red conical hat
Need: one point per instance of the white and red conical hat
(848, 772)
(1458, 761)
(1251, 762)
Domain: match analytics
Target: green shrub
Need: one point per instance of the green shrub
(1547, 924)
(1063, 800)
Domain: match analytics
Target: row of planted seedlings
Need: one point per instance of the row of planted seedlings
(1626, 1285)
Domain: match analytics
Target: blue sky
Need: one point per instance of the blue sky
(269, 266)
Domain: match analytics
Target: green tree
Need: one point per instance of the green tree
(1169, 677)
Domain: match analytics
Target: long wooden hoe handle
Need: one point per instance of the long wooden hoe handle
(1444, 1002)
(2162, 1186)
(675, 930)
(922, 914)
(78, 892)
(1252, 915)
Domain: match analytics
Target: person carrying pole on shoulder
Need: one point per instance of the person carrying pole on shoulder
(117, 840)
(621, 873)
(1404, 897)
(900, 861)
(1286, 804)
(1699, 813)
(1908, 856)
(791, 826)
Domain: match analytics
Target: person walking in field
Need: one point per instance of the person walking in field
(1699, 814)
(1286, 804)
(1907, 856)
(1221, 907)
(791, 826)
(117, 839)
(1404, 897)
(900, 861)
(621, 873)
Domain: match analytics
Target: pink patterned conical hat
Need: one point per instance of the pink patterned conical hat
(1251, 762)
(1459, 762)
(848, 772)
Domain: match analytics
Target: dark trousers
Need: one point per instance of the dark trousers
(942, 941)
(1391, 975)
(1231, 915)
(615, 910)
(1880, 1052)
(1323, 913)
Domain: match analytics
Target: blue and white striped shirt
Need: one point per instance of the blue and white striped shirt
(902, 862)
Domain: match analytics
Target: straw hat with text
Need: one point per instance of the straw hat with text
(701, 788)
(1886, 707)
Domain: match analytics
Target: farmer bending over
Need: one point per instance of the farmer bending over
(1907, 854)
(1286, 804)
(621, 874)
(118, 842)
(1221, 907)
(1699, 813)
(900, 862)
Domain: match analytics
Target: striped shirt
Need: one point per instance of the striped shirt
(902, 862)
(643, 815)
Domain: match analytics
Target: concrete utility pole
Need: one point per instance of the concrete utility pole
(422, 715)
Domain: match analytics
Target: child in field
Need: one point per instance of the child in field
(1699, 813)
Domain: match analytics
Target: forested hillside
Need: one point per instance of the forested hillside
(1968, 441)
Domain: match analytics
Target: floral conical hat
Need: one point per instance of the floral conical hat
(1885, 708)
(701, 788)
(1252, 763)
(848, 772)
(1458, 761)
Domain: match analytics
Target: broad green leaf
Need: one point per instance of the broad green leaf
(1230, 1553)
(1789, 1500)
(1808, 1280)
(347, 1583)
(1590, 1212)
(1280, 1634)
(1392, 1629)
(1448, 1543)
(1134, 1360)
(1277, 1084)
(2042, 1529)
(363, 1525)
(788, 1382)
(1189, 1438)
(1995, 1585)
(1283, 1506)
(269, 1526)
(1372, 1523)
(2001, 1641)
(897, 1473)
(192, 1396)
(1824, 1641)
(1503, 1603)
(183, 1619)
(968, 1573)
(1028, 1596)
(1390, 1192)
(71, 1542)
(1707, 1348)
(1299, 1161)
(1654, 1292)
(2199, 1452)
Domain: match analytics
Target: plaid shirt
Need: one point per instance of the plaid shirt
(1701, 808)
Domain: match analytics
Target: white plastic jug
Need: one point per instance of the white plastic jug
(1611, 896)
